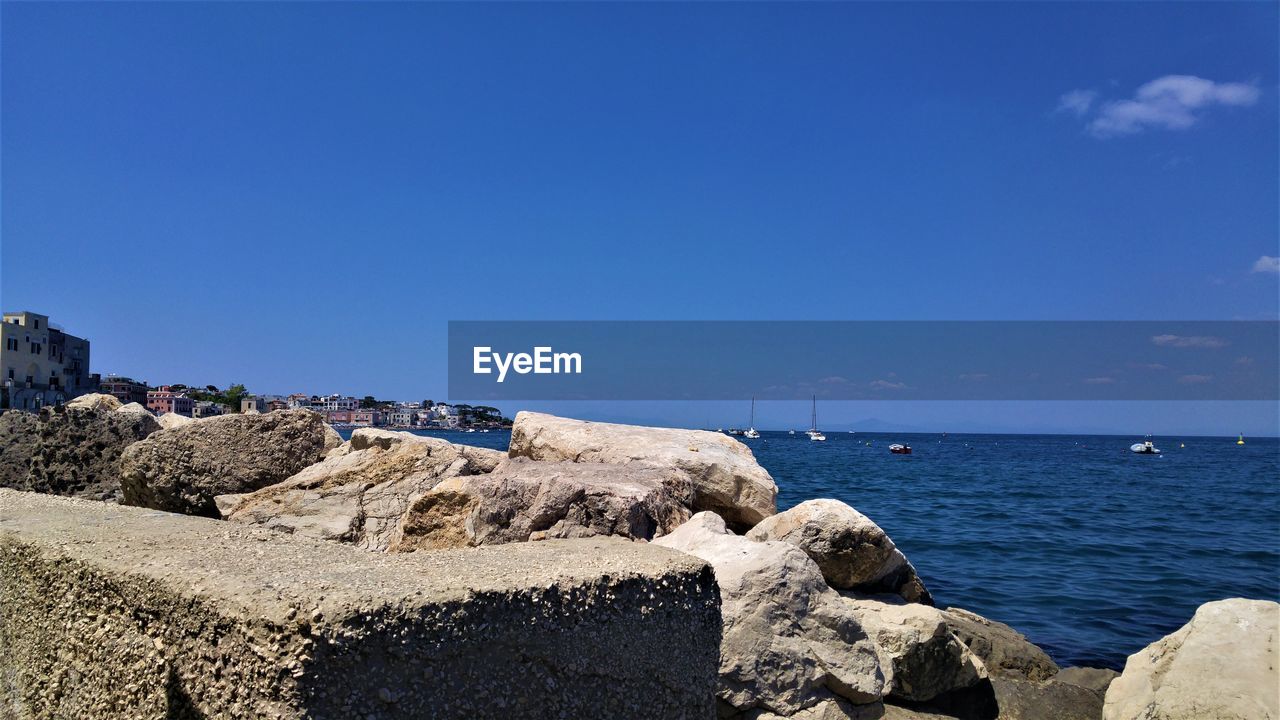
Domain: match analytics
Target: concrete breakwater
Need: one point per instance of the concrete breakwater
(111, 611)
(340, 573)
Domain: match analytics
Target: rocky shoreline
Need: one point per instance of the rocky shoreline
(820, 614)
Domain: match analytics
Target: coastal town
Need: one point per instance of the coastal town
(45, 366)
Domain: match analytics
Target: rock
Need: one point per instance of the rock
(95, 401)
(182, 469)
(332, 440)
(173, 420)
(133, 407)
(1020, 699)
(919, 655)
(1221, 665)
(789, 643)
(76, 451)
(726, 477)
(1004, 651)
(851, 550)
(1095, 679)
(832, 708)
(524, 500)
(18, 430)
(112, 612)
(361, 490)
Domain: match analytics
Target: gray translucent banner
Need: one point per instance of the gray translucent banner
(864, 360)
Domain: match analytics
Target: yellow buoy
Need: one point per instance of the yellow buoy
(1241, 440)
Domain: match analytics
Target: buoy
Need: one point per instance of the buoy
(1182, 445)
(1241, 440)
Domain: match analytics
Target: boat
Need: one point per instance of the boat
(751, 432)
(1146, 447)
(1241, 440)
(735, 432)
(900, 449)
(813, 432)
(791, 432)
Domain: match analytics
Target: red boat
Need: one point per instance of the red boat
(897, 449)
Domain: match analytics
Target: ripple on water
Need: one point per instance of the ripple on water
(1089, 550)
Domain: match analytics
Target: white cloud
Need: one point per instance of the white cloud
(1172, 102)
(1195, 379)
(1099, 381)
(1077, 102)
(1188, 341)
(886, 385)
(1267, 264)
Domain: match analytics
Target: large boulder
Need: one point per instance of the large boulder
(851, 550)
(94, 401)
(1005, 651)
(524, 500)
(1072, 694)
(789, 643)
(171, 420)
(361, 490)
(1220, 665)
(332, 440)
(726, 477)
(18, 430)
(182, 469)
(919, 655)
(73, 450)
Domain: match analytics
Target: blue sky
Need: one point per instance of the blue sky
(300, 196)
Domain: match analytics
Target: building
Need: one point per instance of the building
(253, 404)
(402, 416)
(165, 400)
(277, 404)
(207, 408)
(338, 417)
(41, 364)
(334, 402)
(126, 390)
(366, 418)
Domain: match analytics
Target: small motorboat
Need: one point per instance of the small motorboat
(898, 449)
(791, 432)
(1145, 447)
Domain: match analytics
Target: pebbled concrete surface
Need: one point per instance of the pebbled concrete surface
(113, 611)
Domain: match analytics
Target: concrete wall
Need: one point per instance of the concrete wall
(111, 611)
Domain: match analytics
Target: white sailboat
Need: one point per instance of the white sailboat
(813, 432)
(751, 432)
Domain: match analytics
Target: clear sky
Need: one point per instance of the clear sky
(299, 196)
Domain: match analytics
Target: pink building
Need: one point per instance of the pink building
(366, 417)
(338, 417)
(166, 400)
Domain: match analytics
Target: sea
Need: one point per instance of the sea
(1091, 551)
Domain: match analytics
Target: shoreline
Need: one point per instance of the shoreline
(818, 582)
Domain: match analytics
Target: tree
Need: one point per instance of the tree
(233, 396)
(368, 403)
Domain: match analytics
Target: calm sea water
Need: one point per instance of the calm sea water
(1091, 551)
